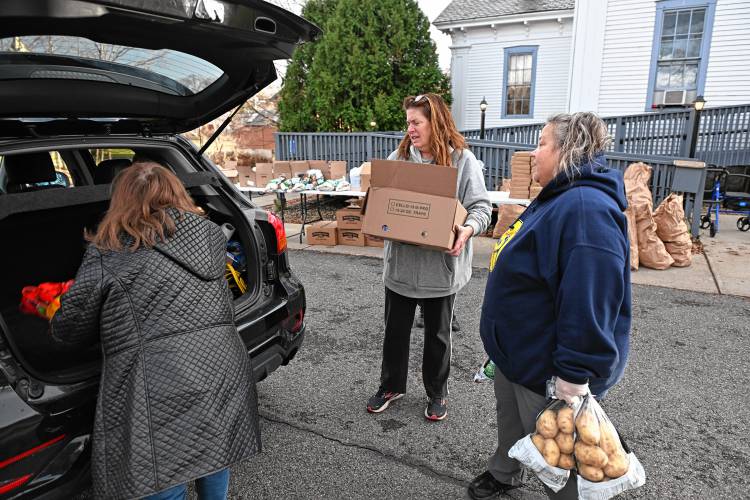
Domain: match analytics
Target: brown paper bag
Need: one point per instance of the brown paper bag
(632, 237)
(651, 251)
(673, 231)
(636, 178)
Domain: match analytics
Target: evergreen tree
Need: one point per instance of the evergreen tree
(373, 53)
(295, 107)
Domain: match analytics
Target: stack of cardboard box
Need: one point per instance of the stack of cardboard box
(262, 173)
(345, 230)
(522, 186)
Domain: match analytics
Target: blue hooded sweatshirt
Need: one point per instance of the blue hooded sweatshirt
(558, 294)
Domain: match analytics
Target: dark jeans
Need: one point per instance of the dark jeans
(212, 487)
(399, 317)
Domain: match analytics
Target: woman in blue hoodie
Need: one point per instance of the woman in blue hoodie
(557, 302)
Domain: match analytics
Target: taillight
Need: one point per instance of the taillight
(13, 484)
(293, 324)
(278, 227)
(18, 482)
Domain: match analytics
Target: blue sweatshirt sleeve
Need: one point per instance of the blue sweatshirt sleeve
(590, 293)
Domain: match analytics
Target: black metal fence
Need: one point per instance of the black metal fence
(723, 135)
(356, 148)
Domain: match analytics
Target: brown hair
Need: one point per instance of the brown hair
(443, 129)
(141, 196)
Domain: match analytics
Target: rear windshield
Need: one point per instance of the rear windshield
(74, 57)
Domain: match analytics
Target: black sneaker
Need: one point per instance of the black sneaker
(485, 486)
(419, 317)
(437, 409)
(454, 324)
(380, 401)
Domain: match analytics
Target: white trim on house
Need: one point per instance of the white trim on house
(528, 17)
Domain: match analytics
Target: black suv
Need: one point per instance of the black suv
(85, 88)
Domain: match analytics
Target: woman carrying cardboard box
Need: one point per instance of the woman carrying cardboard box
(557, 303)
(414, 274)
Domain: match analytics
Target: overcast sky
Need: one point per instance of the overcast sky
(431, 8)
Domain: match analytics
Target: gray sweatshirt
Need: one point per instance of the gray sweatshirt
(422, 273)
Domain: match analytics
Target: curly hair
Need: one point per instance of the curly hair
(579, 137)
(442, 127)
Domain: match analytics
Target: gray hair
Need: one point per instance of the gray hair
(579, 137)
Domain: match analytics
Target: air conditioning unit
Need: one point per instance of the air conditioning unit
(674, 97)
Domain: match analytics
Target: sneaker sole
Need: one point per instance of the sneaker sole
(434, 418)
(385, 405)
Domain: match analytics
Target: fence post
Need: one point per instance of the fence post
(277, 145)
(620, 134)
(308, 148)
(369, 147)
(687, 134)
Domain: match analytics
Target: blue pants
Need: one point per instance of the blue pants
(212, 487)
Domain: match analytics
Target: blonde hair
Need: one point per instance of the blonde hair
(142, 195)
(579, 137)
(443, 131)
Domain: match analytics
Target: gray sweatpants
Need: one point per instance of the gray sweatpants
(517, 408)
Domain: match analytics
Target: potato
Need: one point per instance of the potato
(617, 466)
(546, 424)
(590, 455)
(566, 461)
(551, 452)
(564, 442)
(609, 440)
(591, 473)
(538, 441)
(588, 428)
(565, 420)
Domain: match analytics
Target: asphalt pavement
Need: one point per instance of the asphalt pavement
(682, 406)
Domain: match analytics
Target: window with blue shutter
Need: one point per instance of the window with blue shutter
(519, 80)
(682, 38)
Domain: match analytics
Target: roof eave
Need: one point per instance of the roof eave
(507, 19)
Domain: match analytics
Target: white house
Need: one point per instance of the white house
(532, 58)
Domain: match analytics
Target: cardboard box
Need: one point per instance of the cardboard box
(321, 165)
(351, 237)
(282, 168)
(365, 176)
(413, 203)
(349, 218)
(337, 170)
(231, 174)
(321, 233)
(246, 175)
(373, 242)
(263, 174)
(299, 167)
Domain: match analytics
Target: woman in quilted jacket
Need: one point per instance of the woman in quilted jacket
(177, 398)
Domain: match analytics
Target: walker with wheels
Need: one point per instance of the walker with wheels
(725, 202)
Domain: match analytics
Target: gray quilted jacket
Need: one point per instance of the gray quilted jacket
(177, 399)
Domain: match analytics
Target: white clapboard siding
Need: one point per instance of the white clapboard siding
(627, 52)
(627, 57)
(728, 73)
(481, 70)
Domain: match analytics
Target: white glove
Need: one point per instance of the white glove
(569, 392)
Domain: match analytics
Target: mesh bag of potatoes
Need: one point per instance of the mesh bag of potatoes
(605, 466)
(549, 451)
